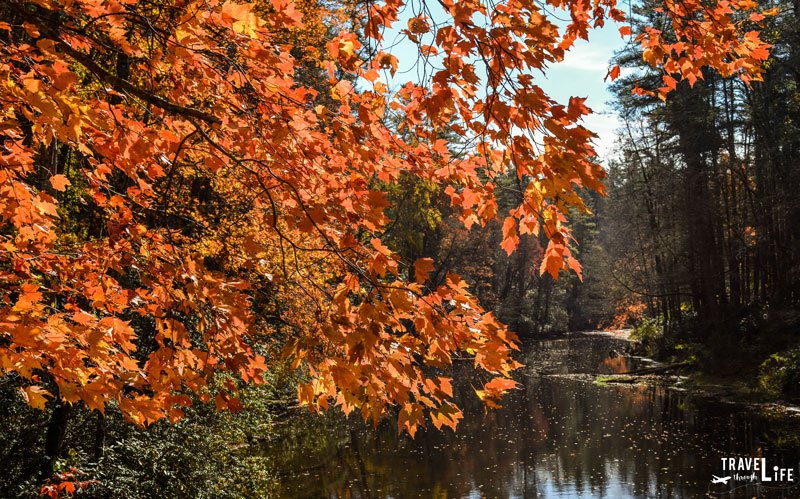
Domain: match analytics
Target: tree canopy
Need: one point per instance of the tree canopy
(193, 187)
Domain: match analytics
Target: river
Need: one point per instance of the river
(560, 435)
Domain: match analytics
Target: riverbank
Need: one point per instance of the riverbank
(735, 386)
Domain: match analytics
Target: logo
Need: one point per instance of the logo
(753, 469)
(749, 472)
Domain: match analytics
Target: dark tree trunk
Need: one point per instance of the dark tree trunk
(54, 438)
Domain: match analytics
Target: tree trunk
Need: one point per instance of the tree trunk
(54, 438)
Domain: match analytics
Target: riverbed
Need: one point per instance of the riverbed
(562, 434)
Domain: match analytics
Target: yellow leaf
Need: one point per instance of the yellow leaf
(244, 20)
(35, 396)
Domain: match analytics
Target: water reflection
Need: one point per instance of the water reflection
(559, 436)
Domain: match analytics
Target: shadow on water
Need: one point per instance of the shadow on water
(558, 436)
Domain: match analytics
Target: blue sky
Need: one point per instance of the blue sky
(581, 74)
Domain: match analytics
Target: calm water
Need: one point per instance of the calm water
(561, 435)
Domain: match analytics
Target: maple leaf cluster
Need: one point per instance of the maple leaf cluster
(719, 35)
(167, 167)
(64, 484)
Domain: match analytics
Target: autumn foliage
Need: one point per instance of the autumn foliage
(171, 166)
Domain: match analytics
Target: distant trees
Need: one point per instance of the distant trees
(703, 207)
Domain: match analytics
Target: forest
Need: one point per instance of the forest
(237, 236)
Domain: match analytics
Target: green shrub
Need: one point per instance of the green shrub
(780, 373)
(649, 333)
(689, 353)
